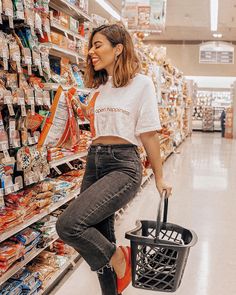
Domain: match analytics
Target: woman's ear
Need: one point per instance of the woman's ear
(119, 49)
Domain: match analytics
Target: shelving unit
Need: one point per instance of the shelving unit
(62, 52)
(26, 259)
(54, 87)
(70, 9)
(70, 264)
(7, 234)
(56, 26)
(67, 159)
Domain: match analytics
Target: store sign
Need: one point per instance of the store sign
(144, 15)
(216, 53)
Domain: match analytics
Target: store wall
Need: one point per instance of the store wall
(186, 58)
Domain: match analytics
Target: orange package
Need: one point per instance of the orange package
(61, 129)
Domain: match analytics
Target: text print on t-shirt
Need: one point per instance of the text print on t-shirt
(116, 110)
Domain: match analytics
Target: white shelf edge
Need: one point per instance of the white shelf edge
(55, 206)
(79, 11)
(15, 268)
(54, 86)
(59, 272)
(164, 139)
(145, 178)
(59, 27)
(64, 160)
(63, 51)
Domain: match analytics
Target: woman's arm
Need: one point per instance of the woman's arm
(151, 143)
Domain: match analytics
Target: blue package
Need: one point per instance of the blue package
(33, 289)
(11, 288)
(21, 275)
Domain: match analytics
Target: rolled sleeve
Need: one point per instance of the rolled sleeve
(148, 116)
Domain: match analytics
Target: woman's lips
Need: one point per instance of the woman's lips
(95, 61)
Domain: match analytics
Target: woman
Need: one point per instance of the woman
(123, 114)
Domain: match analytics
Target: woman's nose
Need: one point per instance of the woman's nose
(91, 51)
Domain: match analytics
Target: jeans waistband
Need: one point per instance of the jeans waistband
(110, 147)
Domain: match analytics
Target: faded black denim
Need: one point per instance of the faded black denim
(112, 178)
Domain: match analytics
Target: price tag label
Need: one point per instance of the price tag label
(23, 110)
(27, 56)
(11, 110)
(29, 180)
(16, 187)
(21, 100)
(9, 190)
(4, 146)
(2, 202)
(31, 140)
(29, 70)
(6, 155)
(41, 177)
(29, 93)
(39, 97)
(32, 108)
(8, 99)
(46, 99)
(36, 136)
(16, 143)
(36, 58)
(5, 64)
(11, 24)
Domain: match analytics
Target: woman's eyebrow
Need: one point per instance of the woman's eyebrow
(95, 43)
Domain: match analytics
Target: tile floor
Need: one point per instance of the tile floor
(203, 176)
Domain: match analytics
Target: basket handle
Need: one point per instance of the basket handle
(164, 199)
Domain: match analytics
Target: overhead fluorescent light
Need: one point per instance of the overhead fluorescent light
(109, 9)
(214, 14)
(217, 35)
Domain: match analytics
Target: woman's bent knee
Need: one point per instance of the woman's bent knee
(67, 228)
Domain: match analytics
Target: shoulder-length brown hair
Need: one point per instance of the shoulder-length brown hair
(127, 64)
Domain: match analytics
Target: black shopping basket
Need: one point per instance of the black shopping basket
(159, 252)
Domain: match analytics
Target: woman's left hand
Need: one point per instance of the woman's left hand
(162, 186)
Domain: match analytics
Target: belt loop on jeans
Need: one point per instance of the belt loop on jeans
(109, 149)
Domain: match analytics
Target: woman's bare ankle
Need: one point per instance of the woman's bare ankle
(118, 263)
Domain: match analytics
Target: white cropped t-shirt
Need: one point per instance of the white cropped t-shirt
(125, 112)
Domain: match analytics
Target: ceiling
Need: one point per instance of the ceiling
(187, 20)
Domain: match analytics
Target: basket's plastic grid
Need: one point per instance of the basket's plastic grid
(159, 253)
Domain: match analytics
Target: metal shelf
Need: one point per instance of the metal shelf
(65, 160)
(169, 121)
(164, 139)
(70, 9)
(55, 277)
(54, 87)
(147, 177)
(65, 31)
(7, 234)
(62, 52)
(27, 258)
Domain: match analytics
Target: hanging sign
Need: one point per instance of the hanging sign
(144, 15)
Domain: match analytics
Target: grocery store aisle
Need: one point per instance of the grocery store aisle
(203, 176)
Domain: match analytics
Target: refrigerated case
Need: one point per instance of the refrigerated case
(208, 107)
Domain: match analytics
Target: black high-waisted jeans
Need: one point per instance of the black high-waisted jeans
(112, 178)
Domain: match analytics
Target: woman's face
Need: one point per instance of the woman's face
(102, 54)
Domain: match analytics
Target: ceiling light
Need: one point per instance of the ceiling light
(109, 9)
(214, 14)
(217, 35)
